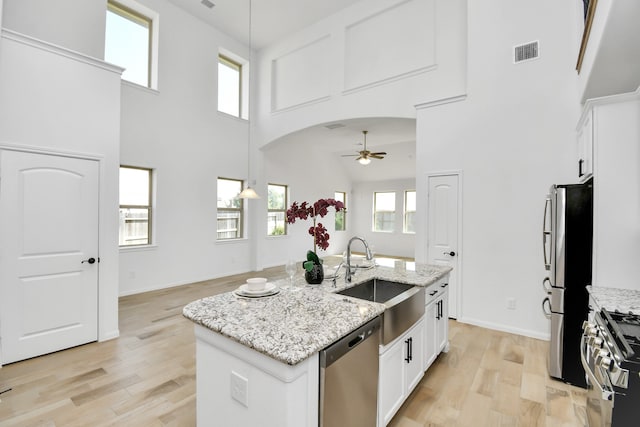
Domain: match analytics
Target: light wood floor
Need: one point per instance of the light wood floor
(147, 376)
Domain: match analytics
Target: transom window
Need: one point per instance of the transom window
(230, 209)
(135, 206)
(341, 217)
(409, 211)
(128, 42)
(384, 211)
(229, 86)
(277, 210)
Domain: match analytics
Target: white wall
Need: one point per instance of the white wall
(74, 24)
(513, 136)
(395, 243)
(179, 133)
(55, 100)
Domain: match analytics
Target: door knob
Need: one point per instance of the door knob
(450, 253)
(90, 260)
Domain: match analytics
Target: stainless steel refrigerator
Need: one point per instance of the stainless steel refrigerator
(567, 244)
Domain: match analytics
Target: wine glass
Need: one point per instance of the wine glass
(291, 268)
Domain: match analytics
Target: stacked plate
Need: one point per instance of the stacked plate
(269, 290)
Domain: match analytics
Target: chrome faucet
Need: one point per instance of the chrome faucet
(369, 255)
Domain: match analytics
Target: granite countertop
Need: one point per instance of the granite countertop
(298, 322)
(614, 299)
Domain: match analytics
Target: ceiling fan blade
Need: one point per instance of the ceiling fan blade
(361, 157)
(375, 156)
(350, 155)
(379, 153)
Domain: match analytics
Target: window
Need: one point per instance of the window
(229, 86)
(384, 211)
(135, 206)
(230, 209)
(341, 217)
(409, 211)
(128, 41)
(277, 210)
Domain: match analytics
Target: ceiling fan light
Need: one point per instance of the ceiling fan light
(364, 160)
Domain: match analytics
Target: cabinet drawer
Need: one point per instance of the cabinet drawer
(433, 291)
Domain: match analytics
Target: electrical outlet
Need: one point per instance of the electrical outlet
(240, 388)
(511, 303)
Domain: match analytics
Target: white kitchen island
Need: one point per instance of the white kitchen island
(257, 358)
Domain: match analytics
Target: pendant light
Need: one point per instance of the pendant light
(248, 192)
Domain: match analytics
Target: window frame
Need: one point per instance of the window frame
(342, 213)
(149, 207)
(406, 211)
(376, 212)
(138, 13)
(284, 210)
(240, 233)
(232, 63)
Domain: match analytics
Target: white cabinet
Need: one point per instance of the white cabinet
(401, 368)
(436, 325)
(615, 127)
(584, 166)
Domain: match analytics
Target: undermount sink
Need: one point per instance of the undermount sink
(404, 304)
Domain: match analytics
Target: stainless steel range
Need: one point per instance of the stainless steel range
(610, 354)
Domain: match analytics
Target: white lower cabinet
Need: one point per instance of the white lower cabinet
(401, 368)
(436, 325)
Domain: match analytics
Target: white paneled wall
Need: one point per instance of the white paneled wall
(377, 58)
(390, 44)
(301, 76)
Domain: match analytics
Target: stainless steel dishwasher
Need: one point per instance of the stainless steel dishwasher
(349, 379)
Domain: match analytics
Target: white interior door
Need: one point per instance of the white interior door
(48, 239)
(443, 218)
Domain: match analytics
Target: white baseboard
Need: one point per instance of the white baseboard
(505, 328)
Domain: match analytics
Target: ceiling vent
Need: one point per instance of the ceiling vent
(207, 3)
(526, 52)
(334, 126)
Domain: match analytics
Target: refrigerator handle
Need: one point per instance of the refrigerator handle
(545, 234)
(546, 302)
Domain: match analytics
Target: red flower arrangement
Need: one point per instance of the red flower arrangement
(319, 232)
(319, 208)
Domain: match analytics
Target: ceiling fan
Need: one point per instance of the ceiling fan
(364, 156)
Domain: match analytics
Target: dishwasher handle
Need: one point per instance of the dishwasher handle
(357, 340)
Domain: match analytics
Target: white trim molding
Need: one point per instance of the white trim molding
(59, 50)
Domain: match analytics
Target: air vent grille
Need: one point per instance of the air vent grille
(334, 126)
(526, 52)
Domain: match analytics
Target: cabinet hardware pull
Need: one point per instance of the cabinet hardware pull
(408, 358)
(580, 162)
(410, 348)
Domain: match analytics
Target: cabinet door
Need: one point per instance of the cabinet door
(585, 148)
(442, 331)
(414, 352)
(430, 334)
(391, 384)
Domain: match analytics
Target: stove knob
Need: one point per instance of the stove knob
(602, 353)
(595, 341)
(604, 362)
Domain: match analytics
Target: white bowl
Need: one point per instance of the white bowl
(256, 283)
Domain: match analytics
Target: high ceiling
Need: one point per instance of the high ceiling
(271, 20)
